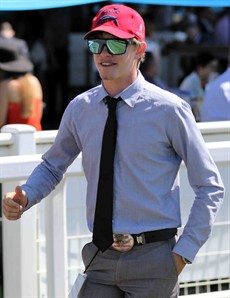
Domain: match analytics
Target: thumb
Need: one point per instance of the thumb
(18, 191)
(20, 196)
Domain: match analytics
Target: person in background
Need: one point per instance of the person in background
(156, 130)
(205, 65)
(222, 29)
(20, 91)
(222, 38)
(216, 104)
(206, 18)
(8, 39)
(149, 70)
(153, 45)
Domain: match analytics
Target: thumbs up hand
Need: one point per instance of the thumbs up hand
(14, 203)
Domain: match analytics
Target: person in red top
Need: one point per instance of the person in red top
(20, 91)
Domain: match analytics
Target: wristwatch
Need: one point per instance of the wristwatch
(186, 261)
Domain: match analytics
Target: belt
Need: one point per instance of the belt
(125, 242)
(154, 236)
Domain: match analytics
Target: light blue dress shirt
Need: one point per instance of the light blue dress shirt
(156, 131)
(216, 104)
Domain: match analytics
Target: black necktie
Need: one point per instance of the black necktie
(103, 231)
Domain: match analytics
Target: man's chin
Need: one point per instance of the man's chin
(106, 77)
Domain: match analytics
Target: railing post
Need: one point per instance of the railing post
(56, 251)
(24, 142)
(19, 237)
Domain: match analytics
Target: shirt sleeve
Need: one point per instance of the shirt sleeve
(204, 178)
(55, 162)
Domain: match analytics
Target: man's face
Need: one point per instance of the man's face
(207, 70)
(119, 69)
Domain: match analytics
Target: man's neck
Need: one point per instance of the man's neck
(114, 88)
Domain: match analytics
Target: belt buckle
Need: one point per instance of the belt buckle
(140, 239)
(123, 242)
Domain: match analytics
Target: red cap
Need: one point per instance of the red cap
(120, 21)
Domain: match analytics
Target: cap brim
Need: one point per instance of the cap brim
(111, 30)
(20, 66)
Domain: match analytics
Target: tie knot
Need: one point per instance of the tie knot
(111, 102)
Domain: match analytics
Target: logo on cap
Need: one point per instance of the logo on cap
(106, 19)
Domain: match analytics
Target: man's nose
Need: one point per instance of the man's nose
(105, 50)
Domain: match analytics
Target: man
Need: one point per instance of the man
(156, 131)
(149, 70)
(216, 105)
(205, 65)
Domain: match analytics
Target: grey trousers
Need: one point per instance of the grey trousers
(146, 271)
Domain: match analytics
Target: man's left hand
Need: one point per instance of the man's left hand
(178, 262)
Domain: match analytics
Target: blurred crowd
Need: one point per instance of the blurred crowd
(42, 38)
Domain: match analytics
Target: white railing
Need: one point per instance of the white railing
(42, 251)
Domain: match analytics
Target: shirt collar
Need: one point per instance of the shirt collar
(130, 95)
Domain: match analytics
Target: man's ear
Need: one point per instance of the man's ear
(141, 49)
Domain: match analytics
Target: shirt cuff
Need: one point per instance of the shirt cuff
(186, 248)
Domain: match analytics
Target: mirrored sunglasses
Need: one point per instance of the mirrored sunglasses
(114, 46)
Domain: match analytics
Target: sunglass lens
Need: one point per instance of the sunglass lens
(94, 46)
(116, 47)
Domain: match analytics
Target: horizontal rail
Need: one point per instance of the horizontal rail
(44, 138)
(47, 137)
(214, 127)
(20, 167)
(6, 139)
(220, 294)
